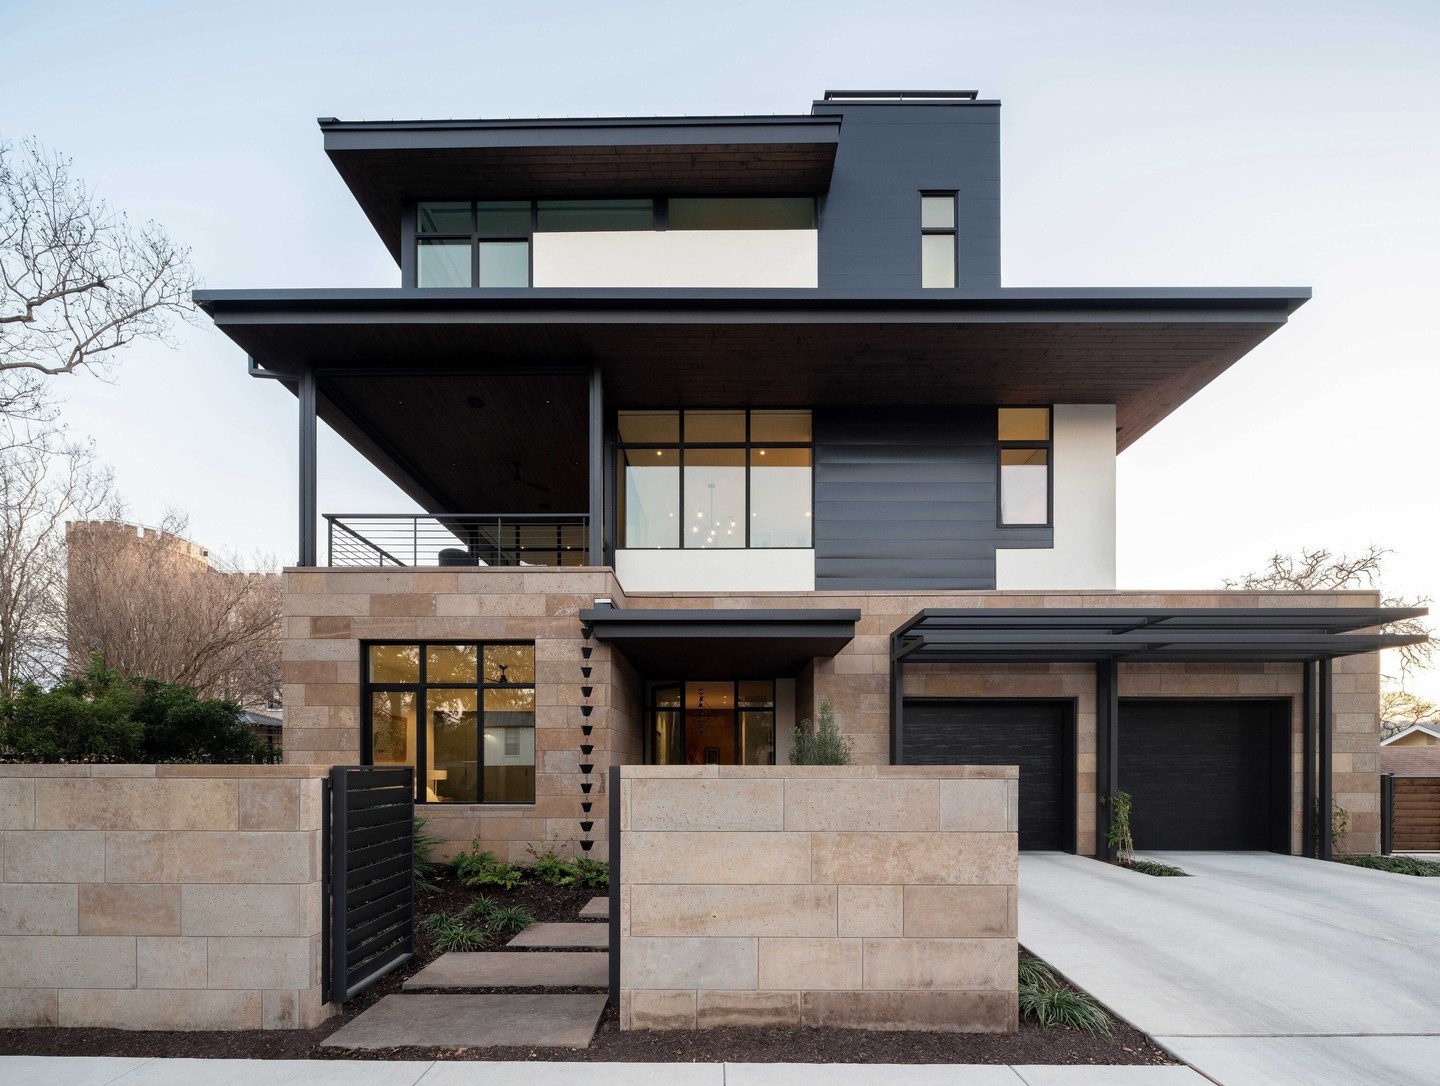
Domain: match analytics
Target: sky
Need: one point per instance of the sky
(1147, 143)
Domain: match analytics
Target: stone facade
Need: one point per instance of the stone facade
(872, 897)
(331, 612)
(161, 897)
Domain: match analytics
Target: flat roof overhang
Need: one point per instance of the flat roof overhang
(1144, 350)
(388, 163)
(722, 643)
(1147, 635)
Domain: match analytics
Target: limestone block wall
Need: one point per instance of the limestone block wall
(875, 897)
(330, 613)
(161, 897)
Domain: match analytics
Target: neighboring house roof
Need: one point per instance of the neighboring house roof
(1412, 730)
(1410, 761)
(261, 720)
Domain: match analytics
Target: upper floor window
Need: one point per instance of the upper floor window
(1025, 447)
(938, 249)
(465, 244)
(714, 479)
(490, 243)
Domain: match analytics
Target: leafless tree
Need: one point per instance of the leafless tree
(151, 603)
(45, 480)
(1321, 570)
(77, 281)
(1400, 709)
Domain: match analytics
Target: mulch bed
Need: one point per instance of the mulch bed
(563, 903)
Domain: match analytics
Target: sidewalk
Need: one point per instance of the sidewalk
(103, 1071)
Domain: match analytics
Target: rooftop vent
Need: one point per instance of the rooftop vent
(901, 95)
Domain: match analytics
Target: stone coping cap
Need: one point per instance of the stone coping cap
(846, 772)
(271, 772)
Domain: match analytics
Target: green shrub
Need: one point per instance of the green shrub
(820, 744)
(1155, 867)
(1060, 1007)
(548, 866)
(103, 716)
(453, 934)
(424, 865)
(1036, 974)
(1118, 836)
(593, 874)
(475, 868)
(1397, 865)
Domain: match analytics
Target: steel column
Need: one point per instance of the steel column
(1325, 706)
(596, 555)
(1107, 752)
(897, 702)
(613, 832)
(309, 507)
(1387, 813)
(1307, 757)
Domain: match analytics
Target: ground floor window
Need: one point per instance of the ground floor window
(724, 722)
(462, 714)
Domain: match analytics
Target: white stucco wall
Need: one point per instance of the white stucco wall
(737, 570)
(1084, 513)
(677, 258)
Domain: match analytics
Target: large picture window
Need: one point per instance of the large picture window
(715, 479)
(1025, 450)
(463, 715)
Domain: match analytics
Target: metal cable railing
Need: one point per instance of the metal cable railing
(457, 539)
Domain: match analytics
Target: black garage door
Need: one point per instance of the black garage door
(1037, 736)
(1206, 774)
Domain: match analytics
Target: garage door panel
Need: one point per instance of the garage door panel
(1037, 736)
(1202, 774)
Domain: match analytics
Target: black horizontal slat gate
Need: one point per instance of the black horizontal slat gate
(370, 911)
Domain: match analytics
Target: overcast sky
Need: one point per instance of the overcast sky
(1146, 143)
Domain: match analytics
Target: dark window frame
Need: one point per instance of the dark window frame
(619, 447)
(773, 708)
(367, 752)
(952, 231)
(475, 237)
(1048, 445)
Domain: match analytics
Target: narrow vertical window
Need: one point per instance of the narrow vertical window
(1025, 448)
(937, 239)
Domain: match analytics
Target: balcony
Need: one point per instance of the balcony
(457, 539)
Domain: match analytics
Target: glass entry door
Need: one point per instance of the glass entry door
(715, 722)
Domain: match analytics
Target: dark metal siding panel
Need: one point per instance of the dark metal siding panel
(888, 154)
(1028, 734)
(905, 499)
(1201, 773)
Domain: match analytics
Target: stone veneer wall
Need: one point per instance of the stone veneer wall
(161, 897)
(331, 611)
(872, 897)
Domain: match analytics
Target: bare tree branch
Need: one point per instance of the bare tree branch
(1322, 570)
(77, 282)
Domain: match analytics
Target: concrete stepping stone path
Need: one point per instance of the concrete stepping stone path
(598, 908)
(473, 1021)
(564, 937)
(557, 969)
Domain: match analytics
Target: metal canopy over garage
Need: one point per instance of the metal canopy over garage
(1310, 637)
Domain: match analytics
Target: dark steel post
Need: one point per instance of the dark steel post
(308, 503)
(339, 907)
(1307, 755)
(1387, 813)
(1324, 702)
(897, 704)
(596, 542)
(613, 828)
(1107, 752)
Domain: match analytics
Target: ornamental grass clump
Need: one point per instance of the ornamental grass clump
(822, 743)
(1396, 865)
(1047, 1003)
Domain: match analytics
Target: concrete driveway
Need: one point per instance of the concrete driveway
(1257, 969)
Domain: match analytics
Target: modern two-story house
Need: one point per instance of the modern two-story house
(715, 419)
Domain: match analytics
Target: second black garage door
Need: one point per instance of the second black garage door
(1207, 773)
(1037, 736)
